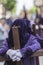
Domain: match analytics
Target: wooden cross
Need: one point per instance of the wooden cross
(16, 40)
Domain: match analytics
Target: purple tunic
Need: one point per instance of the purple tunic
(31, 46)
(28, 42)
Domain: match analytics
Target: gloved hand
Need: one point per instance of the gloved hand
(18, 55)
(12, 54)
(15, 55)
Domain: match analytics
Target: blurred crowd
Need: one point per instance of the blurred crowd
(5, 22)
(6, 18)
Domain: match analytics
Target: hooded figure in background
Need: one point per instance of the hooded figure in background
(28, 42)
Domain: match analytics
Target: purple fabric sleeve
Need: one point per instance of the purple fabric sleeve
(4, 47)
(35, 45)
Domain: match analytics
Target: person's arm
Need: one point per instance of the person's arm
(4, 48)
(29, 49)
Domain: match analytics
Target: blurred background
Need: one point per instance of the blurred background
(14, 7)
